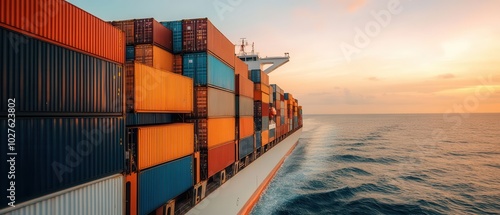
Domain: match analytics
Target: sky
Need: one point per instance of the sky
(357, 56)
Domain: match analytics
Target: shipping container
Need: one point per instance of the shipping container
(244, 106)
(178, 64)
(176, 28)
(126, 26)
(206, 70)
(130, 54)
(102, 196)
(209, 132)
(162, 183)
(63, 24)
(148, 118)
(46, 79)
(213, 103)
(265, 137)
(220, 157)
(245, 146)
(150, 31)
(54, 154)
(245, 126)
(240, 67)
(258, 139)
(131, 194)
(200, 35)
(153, 145)
(261, 123)
(154, 56)
(260, 96)
(272, 133)
(259, 76)
(153, 90)
(244, 86)
(262, 87)
(261, 109)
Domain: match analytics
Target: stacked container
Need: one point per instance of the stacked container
(208, 58)
(159, 149)
(63, 90)
(278, 103)
(245, 133)
(261, 105)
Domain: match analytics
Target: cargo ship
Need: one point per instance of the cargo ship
(135, 116)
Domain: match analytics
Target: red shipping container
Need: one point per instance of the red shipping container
(178, 64)
(200, 35)
(221, 157)
(149, 31)
(126, 26)
(63, 24)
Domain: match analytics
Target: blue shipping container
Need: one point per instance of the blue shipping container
(245, 146)
(58, 153)
(205, 70)
(255, 75)
(130, 55)
(148, 118)
(286, 96)
(261, 123)
(49, 79)
(162, 183)
(258, 139)
(272, 133)
(176, 28)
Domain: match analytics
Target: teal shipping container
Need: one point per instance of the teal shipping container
(176, 28)
(245, 146)
(206, 70)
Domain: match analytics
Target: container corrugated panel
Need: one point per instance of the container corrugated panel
(262, 87)
(176, 28)
(57, 153)
(260, 96)
(261, 123)
(220, 157)
(161, 143)
(178, 64)
(244, 106)
(131, 194)
(126, 26)
(98, 197)
(153, 90)
(258, 139)
(261, 109)
(295, 122)
(130, 54)
(205, 70)
(149, 31)
(246, 126)
(244, 86)
(213, 103)
(49, 79)
(200, 35)
(154, 56)
(64, 24)
(240, 67)
(162, 183)
(272, 133)
(148, 118)
(265, 137)
(259, 76)
(209, 131)
(245, 146)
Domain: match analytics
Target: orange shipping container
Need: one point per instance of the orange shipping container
(163, 143)
(265, 137)
(220, 130)
(154, 56)
(178, 64)
(131, 193)
(262, 87)
(240, 67)
(199, 35)
(246, 127)
(152, 90)
(64, 24)
(260, 96)
(244, 86)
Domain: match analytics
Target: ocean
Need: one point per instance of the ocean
(390, 164)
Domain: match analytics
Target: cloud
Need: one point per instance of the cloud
(373, 78)
(446, 76)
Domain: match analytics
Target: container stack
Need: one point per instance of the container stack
(176, 28)
(245, 133)
(279, 105)
(208, 58)
(159, 148)
(62, 110)
(261, 107)
(290, 104)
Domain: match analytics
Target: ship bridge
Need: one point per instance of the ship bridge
(253, 60)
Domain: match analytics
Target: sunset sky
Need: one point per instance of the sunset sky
(357, 56)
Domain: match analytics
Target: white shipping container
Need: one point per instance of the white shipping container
(103, 196)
